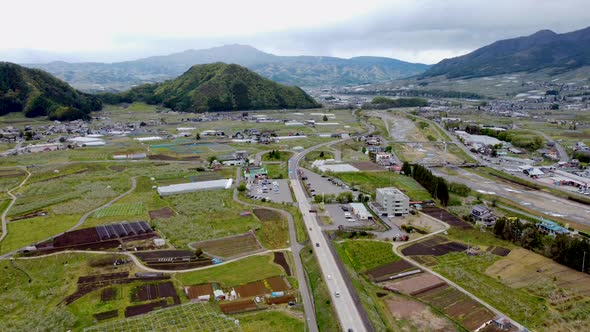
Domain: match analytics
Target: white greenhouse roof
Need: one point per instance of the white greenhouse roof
(194, 186)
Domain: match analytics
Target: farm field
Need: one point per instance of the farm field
(371, 296)
(369, 181)
(229, 247)
(270, 320)
(433, 246)
(235, 273)
(274, 232)
(411, 315)
(365, 255)
(121, 210)
(32, 306)
(204, 216)
(188, 317)
(469, 272)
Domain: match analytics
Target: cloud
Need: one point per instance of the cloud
(412, 30)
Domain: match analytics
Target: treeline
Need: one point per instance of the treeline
(381, 102)
(522, 139)
(36, 93)
(563, 249)
(436, 186)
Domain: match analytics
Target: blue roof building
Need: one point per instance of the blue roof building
(552, 228)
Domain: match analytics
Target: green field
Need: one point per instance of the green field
(369, 181)
(234, 273)
(34, 306)
(365, 255)
(26, 232)
(269, 321)
(204, 215)
(123, 210)
(325, 314)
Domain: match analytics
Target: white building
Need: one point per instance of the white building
(392, 202)
(360, 211)
(194, 186)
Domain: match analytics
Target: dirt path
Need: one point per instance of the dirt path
(5, 213)
(80, 221)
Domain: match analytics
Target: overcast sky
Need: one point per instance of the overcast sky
(412, 30)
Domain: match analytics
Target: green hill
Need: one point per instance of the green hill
(217, 87)
(37, 93)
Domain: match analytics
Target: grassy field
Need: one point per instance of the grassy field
(269, 320)
(34, 306)
(325, 315)
(122, 210)
(369, 181)
(365, 255)
(277, 171)
(204, 215)
(283, 156)
(274, 234)
(234, 273)
(26, 232)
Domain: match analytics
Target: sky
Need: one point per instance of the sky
(425, 31)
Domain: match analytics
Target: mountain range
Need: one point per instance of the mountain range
(217, 87)
(292, 70)
(37, 93)
(544, 49)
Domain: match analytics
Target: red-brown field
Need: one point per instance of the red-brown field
(162, 213)
(446, 216)
(267, 215)
(262, 287)
(415, 285)
(434, 246)
(238, 306)
(280, 259)
(389, 269)
(367, 166)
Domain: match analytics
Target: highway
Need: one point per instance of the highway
(344, 304)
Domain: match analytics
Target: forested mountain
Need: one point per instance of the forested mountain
(37, 93)
(542, 50)
(217, 87)
(292, 70)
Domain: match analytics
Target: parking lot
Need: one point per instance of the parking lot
(277, 190)
(322, 185)
(337, 214)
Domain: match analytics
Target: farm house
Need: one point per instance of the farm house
(190, 187)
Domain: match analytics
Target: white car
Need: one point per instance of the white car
(329, 277)
(337, 293)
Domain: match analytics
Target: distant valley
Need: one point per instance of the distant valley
(306, 71)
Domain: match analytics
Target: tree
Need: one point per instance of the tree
(322, 154)
(198, 137)
(211, 159)
(389, 148)
(406, 169)
(345, 197)
(364, 150)
(325, 118)
(242, 187)
(442, 191)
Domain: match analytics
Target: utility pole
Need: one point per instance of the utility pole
(583, 261)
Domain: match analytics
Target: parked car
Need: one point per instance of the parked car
(317, 244)
(337, 293)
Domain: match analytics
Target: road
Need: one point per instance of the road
(560, 149)
(13, 197)
(345, 306)
(544, 202)
(304, 288)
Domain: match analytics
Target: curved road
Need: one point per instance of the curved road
(5, 213)
(398, 252)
